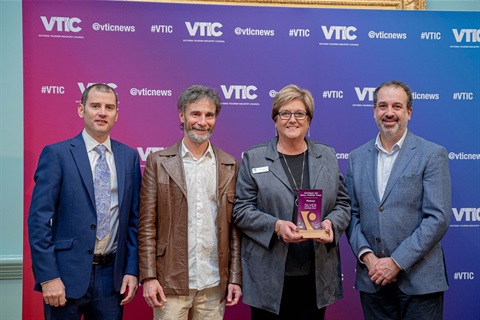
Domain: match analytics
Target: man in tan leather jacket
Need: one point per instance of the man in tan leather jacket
(189, 250)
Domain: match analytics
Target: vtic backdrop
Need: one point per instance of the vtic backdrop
(150, 52)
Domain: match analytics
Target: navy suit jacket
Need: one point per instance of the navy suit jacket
(408, 223)
(62, 218)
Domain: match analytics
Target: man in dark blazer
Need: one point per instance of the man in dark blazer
(80, 270)
(400, 189)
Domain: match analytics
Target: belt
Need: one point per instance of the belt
(103, 258)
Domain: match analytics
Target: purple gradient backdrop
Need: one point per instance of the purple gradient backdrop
(172, 61)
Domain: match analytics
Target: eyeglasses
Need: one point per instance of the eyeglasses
(286, 115)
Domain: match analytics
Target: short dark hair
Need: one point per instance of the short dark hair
(395, 84)
(99, 87)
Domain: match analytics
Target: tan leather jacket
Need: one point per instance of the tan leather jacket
(163, 223)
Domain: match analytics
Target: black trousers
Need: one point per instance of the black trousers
(299, 302)
(390, 303)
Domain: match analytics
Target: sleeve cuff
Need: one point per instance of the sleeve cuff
(362, 251)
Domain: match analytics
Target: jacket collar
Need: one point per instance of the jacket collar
(226, 166)
(314, 168)
(404, 156)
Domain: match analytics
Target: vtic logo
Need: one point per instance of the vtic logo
(206, 29)
(64, 24)
(332, 94)
(240, 91)
(340, 32)
(430, 35)
(464, 275)
(83, 87)
(161, 28)
(469, 35)
(362, 93)
(144, 153)
(299, 32)
(463, 96)
(53, 90)
(466, 214)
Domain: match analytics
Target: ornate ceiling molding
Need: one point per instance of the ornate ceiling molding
(355, 4)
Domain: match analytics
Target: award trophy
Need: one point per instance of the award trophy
(309, 216)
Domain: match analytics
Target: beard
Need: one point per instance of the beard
(391, 130)
(192, 133)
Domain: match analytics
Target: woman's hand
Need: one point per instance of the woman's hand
(328, 228)
(287, 230)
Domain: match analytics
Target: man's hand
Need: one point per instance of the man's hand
(369, 259)
(234, 294)
(54, 293)
(153, 293)
(130, 287)
(384, 271)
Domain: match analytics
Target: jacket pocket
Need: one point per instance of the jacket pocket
(161, 246)
(248, 248)
(231, 197)
(66, 244)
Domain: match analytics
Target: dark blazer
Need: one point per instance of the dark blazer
(62, 218)
(266, 196)
(408, 223)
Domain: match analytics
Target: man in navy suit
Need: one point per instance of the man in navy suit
(400, 189)
(79, 271)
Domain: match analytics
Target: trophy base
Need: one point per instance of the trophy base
(312, 234)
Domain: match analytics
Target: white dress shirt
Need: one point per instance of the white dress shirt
(385, 162)
(109, 243)
(201, 179)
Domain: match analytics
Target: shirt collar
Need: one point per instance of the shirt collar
(91, 143)
(185, 152)
(397, 146)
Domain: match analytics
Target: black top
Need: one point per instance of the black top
(300, 255)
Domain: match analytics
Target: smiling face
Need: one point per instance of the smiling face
(198, 121)
(99, 114)
(292, 129)
(391, 113)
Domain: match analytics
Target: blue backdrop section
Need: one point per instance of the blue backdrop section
(151, 51)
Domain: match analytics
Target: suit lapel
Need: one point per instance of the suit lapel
(276, 166)
(404, 156)
(372, 165)
(314, 170)
(225, 171)
(79, 153)
(174, 169)
(119, 156)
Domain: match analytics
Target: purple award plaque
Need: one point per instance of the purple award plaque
(309, 216)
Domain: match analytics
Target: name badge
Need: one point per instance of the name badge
(260, 170)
